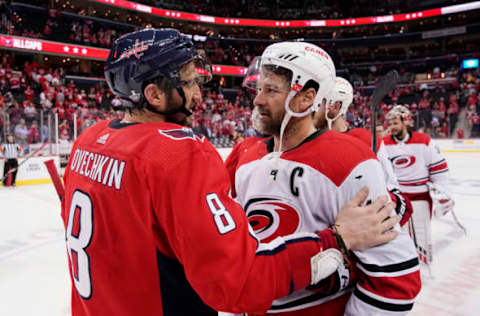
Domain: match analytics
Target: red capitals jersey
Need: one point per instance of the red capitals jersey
(302, 191)
(151, 230)
(416, 160)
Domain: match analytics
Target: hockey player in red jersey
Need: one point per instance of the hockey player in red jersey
(295, 181)
(417, 161)
(333, 116)
(150, 228)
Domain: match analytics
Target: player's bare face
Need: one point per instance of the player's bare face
(189, 77)
(396, 127)
(272, 91)
(189, 84)
(380, 131)
(319, 116)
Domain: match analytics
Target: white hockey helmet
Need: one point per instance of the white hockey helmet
(402, 112)
(306, 62)
(341, 92)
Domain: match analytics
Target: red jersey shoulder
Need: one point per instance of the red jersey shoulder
(171, 144)
(333, 154)
(419, 138)
(388, 140)
(248, 150)
(364, 135)
(164, 143)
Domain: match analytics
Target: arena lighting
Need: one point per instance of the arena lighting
(185, 16)
(62, 49)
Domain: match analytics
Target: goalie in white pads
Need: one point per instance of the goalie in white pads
(417, 161)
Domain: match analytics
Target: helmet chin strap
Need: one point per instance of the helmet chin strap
(181, 109)
(286, 118)
(331, 120)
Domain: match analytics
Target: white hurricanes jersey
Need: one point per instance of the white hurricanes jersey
(416, 160)
(365, 135)
(302, 191)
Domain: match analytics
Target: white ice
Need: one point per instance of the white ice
(34, 272)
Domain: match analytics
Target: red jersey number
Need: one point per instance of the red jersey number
(78, 236)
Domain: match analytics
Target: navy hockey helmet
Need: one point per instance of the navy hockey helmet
(140, 57)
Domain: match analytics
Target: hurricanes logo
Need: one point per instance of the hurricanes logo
(402, 161)
(271, 217)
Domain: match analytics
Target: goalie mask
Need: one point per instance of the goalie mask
(401, 112)
(303, 64)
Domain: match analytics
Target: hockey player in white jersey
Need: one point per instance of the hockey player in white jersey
(291, 181)
(332, 115)
(418, 163)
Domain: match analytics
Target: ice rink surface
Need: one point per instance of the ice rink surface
(34, 278)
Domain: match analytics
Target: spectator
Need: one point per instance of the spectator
(33, 133)
(21, 132)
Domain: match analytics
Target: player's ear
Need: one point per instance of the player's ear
(306, 99)
(155, 96)
(338, 106)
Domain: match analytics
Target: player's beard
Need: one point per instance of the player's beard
(175, 102)
(266, 122)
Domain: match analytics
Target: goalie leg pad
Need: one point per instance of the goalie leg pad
(420, 230)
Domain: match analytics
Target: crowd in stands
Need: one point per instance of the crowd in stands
(32, 93)
(59, 26)
(105, 26)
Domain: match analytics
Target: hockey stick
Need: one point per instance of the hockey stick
(56, 179)
(24, 161)
(455, 218)
(386, 84)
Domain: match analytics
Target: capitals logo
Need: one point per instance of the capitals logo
(181, 134)
(271, 218)
(402, 161)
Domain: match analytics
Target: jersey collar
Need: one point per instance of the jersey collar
(402, 141)
(270, 142)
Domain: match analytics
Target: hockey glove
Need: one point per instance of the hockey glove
(403, 206)
(442, 201)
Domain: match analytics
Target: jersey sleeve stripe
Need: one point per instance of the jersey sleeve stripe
(414, 180)
(384, 297)
(439, 167)
(389, 274)
(437, 172)
(278, 244)
(374, 300)
(437, 163)
(406, 183)
(396, 267)
(398, 290)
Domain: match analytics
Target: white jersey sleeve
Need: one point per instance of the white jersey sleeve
(385, 285)
(437, 166)
(390, 177)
